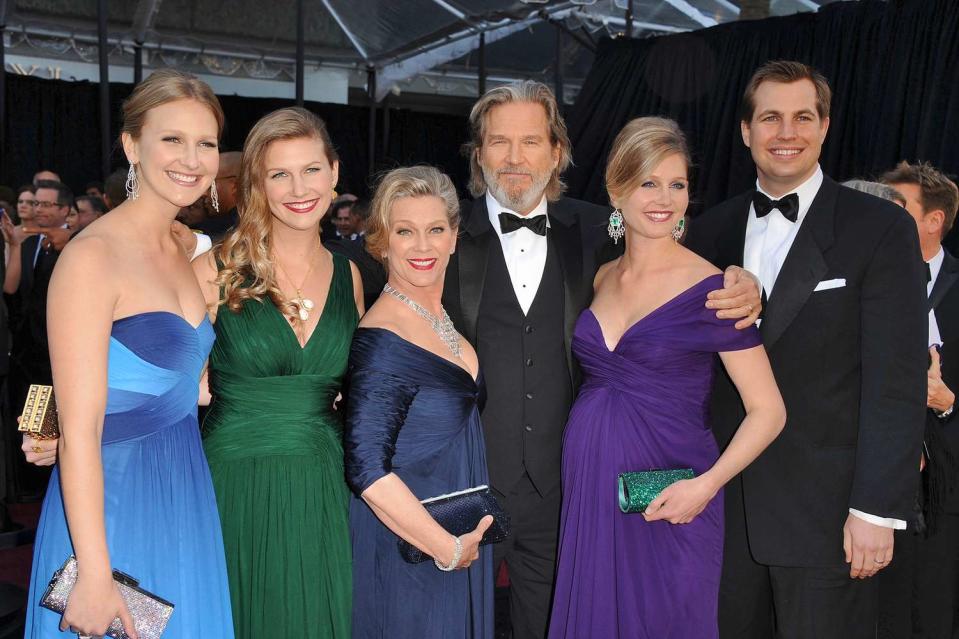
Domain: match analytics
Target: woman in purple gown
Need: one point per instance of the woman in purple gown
(646, 346)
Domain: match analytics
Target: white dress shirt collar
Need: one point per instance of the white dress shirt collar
(935, 265)
(806, 192)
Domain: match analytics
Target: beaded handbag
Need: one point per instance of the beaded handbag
(638, 489)
(459, 513)
(150, 613)
(39, 417)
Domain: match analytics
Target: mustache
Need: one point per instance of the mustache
(514, 169)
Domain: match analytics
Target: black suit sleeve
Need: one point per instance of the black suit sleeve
(892, 410)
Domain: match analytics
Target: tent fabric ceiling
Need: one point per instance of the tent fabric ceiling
(385, 33)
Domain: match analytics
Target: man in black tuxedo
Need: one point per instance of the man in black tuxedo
(812, 519)
(522, 273)
(921, 592)
(29, 269)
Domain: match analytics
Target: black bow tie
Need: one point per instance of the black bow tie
(509, 223)
(788, 205)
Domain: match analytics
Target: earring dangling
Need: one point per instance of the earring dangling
(334, 194)
(214, 198)
(616, 228)
(133, 183)
(678, 229)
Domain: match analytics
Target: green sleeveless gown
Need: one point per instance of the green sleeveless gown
(274, 445)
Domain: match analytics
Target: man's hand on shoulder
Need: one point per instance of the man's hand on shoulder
(739, 298)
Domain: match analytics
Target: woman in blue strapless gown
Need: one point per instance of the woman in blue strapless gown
(647, 346)
(128, 341)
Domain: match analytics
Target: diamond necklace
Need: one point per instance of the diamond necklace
(304, 304)
(442, 326)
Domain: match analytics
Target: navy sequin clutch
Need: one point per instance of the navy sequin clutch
(638, 489)
(459, 513)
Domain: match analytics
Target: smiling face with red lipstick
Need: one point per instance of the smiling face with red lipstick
(298, 181)
(420, 241)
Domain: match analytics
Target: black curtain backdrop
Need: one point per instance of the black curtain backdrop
(55, 125)
(893, 67)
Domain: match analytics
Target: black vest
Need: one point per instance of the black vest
(529, 392)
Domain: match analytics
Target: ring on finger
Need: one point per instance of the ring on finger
(37, 448)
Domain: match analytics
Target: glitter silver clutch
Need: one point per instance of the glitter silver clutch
(150, 613)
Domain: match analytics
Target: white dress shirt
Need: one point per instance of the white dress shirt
(524, 250)
(768, 240)
(935, 265)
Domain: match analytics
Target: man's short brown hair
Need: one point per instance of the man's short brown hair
(786, 72)
(936, 191)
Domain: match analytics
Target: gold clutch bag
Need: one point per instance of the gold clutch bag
(39, 417)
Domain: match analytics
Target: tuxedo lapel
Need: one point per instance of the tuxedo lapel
(27, 252)
(472, 250)
(567, 240)
(732, 238)
(804, 267)
(948, 276)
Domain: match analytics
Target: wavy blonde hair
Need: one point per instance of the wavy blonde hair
(245, 267)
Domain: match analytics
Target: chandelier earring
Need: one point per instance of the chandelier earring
(334, 194)
(616, 228)
(133, 183)
(677, 232)
(214, 198)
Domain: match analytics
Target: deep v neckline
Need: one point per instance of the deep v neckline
(658, 309)
(323, 311)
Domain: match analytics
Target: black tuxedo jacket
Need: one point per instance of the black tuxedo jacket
(850, 362)
(944, 301)
(578, 231)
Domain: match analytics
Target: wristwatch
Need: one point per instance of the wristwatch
(946, 413)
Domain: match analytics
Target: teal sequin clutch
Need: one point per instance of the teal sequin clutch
(638, 489)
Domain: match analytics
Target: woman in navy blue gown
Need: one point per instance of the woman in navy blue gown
(128, 340)
(413, 429)
(647, 345)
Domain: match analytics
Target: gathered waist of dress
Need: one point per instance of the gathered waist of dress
(138, 424)
(290, 415)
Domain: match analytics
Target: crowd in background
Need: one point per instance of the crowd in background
(795, 556)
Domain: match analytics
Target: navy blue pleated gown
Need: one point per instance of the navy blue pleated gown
(414, 414)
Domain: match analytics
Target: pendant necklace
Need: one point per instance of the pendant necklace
(304, 304)
(442, 326)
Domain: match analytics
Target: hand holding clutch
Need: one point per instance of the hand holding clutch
(682, 501)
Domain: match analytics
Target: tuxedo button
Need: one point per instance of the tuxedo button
(529, 396)
(529, 428)
(528, 329)
(529, 362)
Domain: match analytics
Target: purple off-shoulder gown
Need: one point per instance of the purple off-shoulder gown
(642, 406)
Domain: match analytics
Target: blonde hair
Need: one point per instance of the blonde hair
(167, 85)
(246, 268)
(526, 91)
(410, 181)
(637, 151)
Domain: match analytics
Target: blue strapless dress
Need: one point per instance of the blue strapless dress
(161, 518)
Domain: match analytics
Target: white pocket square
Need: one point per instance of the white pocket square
(825, 285)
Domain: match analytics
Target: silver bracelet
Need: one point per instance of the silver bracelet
(457, 554)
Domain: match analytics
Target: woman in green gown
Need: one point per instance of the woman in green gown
(284, 311)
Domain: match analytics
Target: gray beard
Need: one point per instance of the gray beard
(523, 201)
